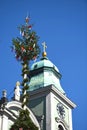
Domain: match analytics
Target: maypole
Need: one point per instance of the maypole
(26, 49)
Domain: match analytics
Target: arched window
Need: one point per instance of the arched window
(60, 127)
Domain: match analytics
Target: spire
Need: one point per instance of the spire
(44, 54)
(4, 98)
(4, 93)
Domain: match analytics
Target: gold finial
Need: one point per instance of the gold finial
(17, 83)
(44, 54)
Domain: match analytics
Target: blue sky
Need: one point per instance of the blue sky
(62, 24)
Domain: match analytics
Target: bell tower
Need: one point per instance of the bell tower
(48, 100)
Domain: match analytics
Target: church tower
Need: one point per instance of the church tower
(48, 100)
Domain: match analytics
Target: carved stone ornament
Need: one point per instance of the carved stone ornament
(60, 121)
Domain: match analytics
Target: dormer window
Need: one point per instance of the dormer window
(35, 66)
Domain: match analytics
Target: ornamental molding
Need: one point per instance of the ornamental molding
(43, 91)
(61, 121)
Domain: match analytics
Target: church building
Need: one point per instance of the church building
(49, 107)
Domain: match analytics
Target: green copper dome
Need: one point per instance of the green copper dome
(44, 73)
(44, 62)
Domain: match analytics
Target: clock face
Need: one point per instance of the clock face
(61, 110)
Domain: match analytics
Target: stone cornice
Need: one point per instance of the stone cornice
(46, 90)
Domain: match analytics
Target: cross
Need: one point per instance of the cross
(44, 46)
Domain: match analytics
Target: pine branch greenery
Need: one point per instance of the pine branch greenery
(24, 122)
(26, 48)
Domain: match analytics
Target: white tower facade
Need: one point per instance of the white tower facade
(47, 97)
